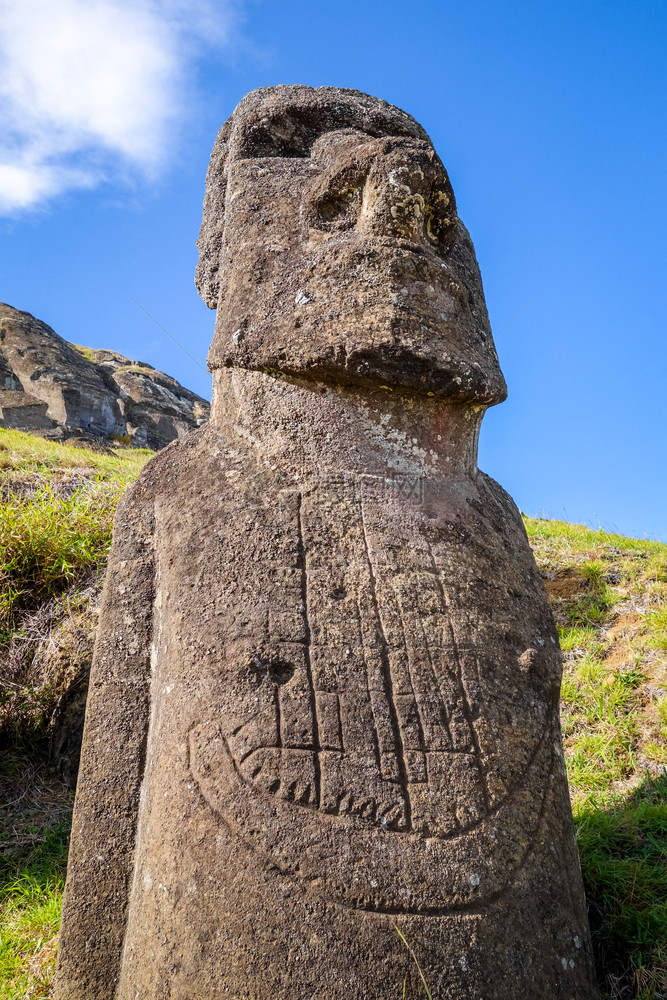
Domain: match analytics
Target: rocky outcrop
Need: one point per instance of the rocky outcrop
(21, 409)
(63, 390)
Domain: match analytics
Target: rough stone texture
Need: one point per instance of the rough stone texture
(19, 409)
(89, 393)
(64, 661)
(324, 699)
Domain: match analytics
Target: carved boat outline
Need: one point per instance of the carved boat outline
(476, 865)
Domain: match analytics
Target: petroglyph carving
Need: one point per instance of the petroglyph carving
(325, 690)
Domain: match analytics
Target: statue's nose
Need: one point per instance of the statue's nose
(389, 187)
(404, 189)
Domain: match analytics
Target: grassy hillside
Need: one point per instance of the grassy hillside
(56, 515)
(609, 596)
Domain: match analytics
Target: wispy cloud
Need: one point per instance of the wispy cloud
(89, 88)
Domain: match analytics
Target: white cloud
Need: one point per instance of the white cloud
(90, 87)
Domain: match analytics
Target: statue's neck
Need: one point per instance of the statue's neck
(300, 427)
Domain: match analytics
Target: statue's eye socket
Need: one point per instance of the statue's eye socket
(340, 208)
(336, 204)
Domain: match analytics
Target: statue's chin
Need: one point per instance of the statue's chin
(358, 311)
(398, 369)
(394, 359)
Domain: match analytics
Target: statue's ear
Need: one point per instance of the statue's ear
(209, 243)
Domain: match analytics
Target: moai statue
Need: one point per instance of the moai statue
(324, 701)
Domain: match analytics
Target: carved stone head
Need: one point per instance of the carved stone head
(332, 250)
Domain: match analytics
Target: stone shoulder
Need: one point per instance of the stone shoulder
(504, 501)
(174, 468)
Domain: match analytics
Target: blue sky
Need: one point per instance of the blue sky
(550, 118)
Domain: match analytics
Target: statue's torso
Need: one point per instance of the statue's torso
(356, 652)
(353, 721)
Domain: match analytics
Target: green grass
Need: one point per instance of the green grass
(22, 453)
(55, 530)
(30, 897)
(624, 864)
(576, 637)
(48, 541)
(86, 352)
(575, 539)
(657, 623)
(613, 632)
(50, 538)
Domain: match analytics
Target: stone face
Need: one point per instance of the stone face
(99, 394)
(324, 697)
(342, 255)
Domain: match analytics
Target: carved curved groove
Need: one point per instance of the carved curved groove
(351, 862)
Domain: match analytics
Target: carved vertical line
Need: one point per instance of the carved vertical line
(434, 676)
(301, 556)
(436, 687)
(340, 724)
(279, 719)
(375, 735)
(387, 678)
(408, 666)
(467, 709)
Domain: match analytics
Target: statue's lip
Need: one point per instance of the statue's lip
(411, 246)
(403, 243)
(372, 241)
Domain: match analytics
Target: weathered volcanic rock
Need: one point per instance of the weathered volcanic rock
(324, 697)
(19, 409)
(95, 393)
